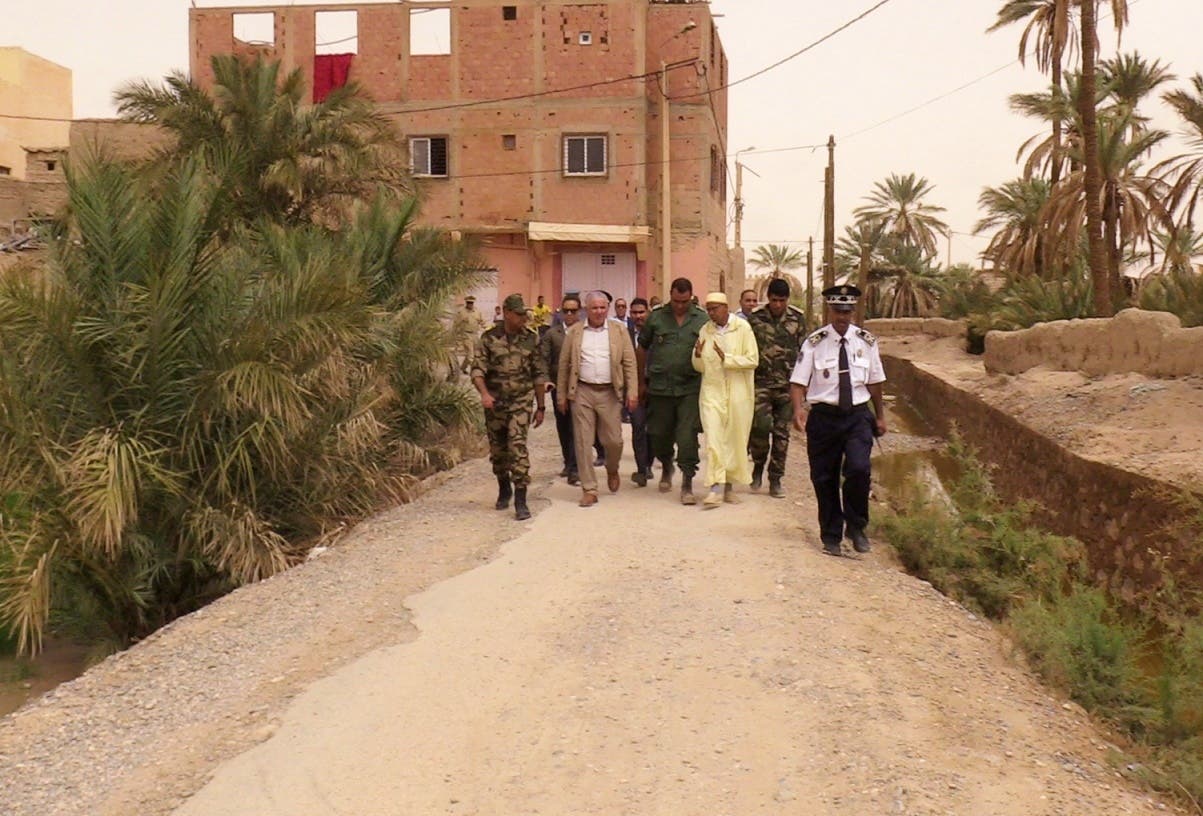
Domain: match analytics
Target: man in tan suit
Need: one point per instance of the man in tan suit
(596, 373)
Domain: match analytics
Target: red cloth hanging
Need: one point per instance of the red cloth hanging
(330, 71)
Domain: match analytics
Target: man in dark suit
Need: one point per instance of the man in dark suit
(552, 344)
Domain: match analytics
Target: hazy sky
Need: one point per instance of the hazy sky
(857, 86)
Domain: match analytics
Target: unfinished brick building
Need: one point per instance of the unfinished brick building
(533, 124)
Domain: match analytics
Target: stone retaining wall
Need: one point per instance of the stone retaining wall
(1123, 518)
(1152, 343)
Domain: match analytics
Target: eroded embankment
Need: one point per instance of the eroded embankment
(1132, 525)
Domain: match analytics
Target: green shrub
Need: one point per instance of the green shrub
(1079, 644)
(986, 554)
(963, 292)
(1179, 292)
(1026, 301)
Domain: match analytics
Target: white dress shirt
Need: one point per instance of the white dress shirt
(818, 366)
(595, 355)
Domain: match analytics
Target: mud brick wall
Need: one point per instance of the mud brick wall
(1125, 519)
(1152, 343)
(931, 326)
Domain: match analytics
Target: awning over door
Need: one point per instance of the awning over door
(592, 233)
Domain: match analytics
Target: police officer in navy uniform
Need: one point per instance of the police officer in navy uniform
(837, 379)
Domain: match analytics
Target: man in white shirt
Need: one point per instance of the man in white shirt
(596, 374)
(837, 377)
(748, 301)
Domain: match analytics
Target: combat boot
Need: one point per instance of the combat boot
(521, 511)
(687, 496)
(758, 475)
(775, 488)
(666, 477)
(504, 492)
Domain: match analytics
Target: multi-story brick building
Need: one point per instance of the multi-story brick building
(535, 125)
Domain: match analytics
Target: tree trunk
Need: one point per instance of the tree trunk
(1054, 172)
(1111, 239)
(1090, 150)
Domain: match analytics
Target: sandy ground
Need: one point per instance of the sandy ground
(637, 657)
(1153, 426)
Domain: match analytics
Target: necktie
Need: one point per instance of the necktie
(845, 378)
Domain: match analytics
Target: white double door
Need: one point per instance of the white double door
(612, 272)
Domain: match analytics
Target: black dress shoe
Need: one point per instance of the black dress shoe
(832, 548)
(639, 478)
(860, 542)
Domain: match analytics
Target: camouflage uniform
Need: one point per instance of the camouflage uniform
(468, 325)
(514, 370)
(778, 342)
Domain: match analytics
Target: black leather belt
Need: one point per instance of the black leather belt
(834, 410)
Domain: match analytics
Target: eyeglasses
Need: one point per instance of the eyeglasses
(570, 311)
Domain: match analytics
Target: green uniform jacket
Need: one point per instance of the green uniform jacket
(778, 342)
(512, 367)
(669, 347)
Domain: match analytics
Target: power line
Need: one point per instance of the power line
(931, 101)
(799, 53)
(454, 105)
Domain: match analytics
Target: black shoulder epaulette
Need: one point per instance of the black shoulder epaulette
(760, 308)
(867, 337)
(817, 337)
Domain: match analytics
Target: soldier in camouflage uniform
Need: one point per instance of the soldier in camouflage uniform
(780, 329)
(508, 370)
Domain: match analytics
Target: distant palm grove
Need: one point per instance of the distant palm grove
(235, 348)
(1095, 199)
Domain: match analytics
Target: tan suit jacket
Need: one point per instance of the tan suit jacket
(622, 362)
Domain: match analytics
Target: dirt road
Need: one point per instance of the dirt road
(637, 657)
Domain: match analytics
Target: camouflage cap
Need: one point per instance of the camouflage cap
(513, 303)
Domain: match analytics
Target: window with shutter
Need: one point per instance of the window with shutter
(428, 156)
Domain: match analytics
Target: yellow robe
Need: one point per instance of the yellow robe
(727, 400)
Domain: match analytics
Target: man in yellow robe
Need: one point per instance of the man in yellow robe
(726, 355)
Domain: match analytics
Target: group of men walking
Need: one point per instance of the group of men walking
(744, 381)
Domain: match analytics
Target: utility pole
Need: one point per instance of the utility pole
(829, 217)
(739, 194)
(810, 279)
(666, 202)
(739, 201)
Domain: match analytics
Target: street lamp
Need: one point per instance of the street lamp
(665, 174)
(739, 186)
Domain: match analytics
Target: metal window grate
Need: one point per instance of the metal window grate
(608, 260)
(428, 156)
(585, 155)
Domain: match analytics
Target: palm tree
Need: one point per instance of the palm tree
(865, 237)
(897, 203)
(1092, 179)
(1131, 202)
(1057, 106)
(778, 259)
(276, 156)
(1050, 22)
(193, 391)
(1013, 212)
(903, 284)
(1187, 168)
(1129, 79)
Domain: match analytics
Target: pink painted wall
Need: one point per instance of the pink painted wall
(693, 262)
